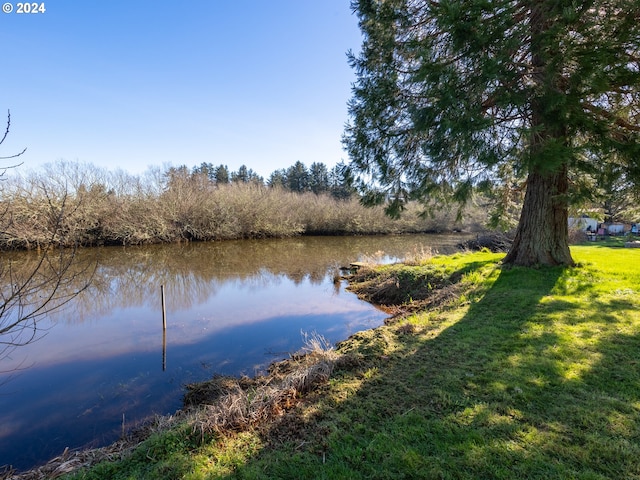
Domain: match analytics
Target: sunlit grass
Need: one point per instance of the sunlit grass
(527, 373)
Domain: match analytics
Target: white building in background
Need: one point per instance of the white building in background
(583, 223)
(615, 228)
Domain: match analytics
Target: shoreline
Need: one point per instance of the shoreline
(178, 241)
(443, 380)
(79, 456)
(294, 377)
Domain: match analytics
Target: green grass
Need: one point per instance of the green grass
(530, 373)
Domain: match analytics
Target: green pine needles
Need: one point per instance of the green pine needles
(515, 97)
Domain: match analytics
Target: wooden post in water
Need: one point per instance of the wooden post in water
(164, 330)
(164, 312)
(164, 350)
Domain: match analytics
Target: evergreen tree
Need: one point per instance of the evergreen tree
(205, 169)
(246, 175)
(298, 177)
(338, 184)
(254, 177)
(451, 94)
(221, 174)
(278, 178)
(241, 176)
(318, 177)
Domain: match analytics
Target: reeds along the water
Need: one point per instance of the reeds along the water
(238, 404)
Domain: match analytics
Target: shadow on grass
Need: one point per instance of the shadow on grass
(539, 379)
(508, 391)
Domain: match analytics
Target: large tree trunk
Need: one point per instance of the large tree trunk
(542, 237)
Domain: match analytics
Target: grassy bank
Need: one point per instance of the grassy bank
(490, 373)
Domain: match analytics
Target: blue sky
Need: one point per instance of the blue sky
(134, 83)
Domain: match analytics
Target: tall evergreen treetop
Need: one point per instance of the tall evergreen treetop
(318, 177)
(221, 174)
(452, 94)
(298, 177)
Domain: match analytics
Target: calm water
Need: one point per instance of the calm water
(232, 308)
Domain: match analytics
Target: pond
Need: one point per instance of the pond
(101, 362)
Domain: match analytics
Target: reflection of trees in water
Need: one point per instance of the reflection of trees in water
(31, 288)
(34, 285)
(193, 272)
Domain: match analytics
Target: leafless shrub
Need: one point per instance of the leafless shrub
(34, 286)
(78, 204)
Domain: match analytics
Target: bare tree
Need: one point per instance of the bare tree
(34, 284)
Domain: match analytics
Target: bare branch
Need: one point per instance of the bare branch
(13, 156)
(6, 132)
(31, 289)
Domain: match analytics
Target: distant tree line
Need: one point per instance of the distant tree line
(318, 178)
(71, 204)
(613, 199)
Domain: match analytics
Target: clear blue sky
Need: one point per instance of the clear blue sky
(133, 83)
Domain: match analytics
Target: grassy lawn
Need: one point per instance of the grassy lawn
(518, 373)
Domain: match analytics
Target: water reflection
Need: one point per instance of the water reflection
(193, 273)
(232, 307)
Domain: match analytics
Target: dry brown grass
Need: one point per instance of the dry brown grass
(227, 404)
(419, 255)
(74, 204)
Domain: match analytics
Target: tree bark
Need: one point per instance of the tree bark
(542, 236)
